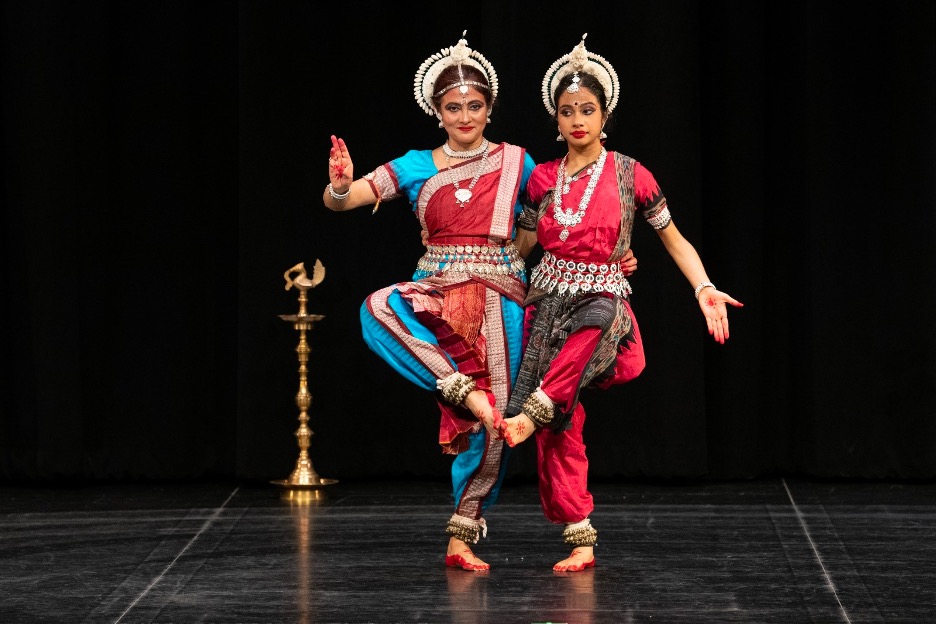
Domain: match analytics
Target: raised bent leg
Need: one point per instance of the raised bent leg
(557, 393)
(462, 391)
(538, 411)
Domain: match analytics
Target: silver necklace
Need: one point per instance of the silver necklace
(569, 179)
(566, 218)
(462, 195)
(467, 153)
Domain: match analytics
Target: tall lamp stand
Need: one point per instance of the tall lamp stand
(304, 483)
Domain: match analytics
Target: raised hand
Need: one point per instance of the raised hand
(714, 304)
(340, 167)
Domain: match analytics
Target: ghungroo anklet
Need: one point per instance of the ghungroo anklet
(456, 387)
(580, 534)
(466, 529)
(539, 409)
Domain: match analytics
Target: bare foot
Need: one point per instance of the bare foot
(479, 405)
(518, 428)
(581, 558)
(459, 555)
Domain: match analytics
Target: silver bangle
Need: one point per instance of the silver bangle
(698, 288)
(334, 195)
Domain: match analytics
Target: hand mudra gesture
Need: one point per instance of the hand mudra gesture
(340, 167)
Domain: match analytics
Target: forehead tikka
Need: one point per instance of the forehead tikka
(462, 85)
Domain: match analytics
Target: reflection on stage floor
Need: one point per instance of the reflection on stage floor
(773, 550)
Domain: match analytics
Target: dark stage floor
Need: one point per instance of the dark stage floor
(776, 550)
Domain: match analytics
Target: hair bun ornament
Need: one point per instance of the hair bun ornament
(578, 60)
(459, 54)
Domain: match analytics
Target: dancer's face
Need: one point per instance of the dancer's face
(464, 117)
(580, 117)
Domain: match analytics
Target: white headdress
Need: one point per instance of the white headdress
(459, 54)
(580, 59)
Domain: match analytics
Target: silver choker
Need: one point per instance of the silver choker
(466, 154)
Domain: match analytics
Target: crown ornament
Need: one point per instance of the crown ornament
(459, 54)
(580, 60)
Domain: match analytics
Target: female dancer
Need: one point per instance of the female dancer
(456, 328)
(581, 329)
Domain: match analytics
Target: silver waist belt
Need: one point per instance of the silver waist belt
(568, 277)
(477, 259)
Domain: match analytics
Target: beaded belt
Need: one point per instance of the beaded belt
(554, 274)
(477, 259)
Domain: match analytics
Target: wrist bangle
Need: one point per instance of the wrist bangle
(334, 195)
(702, 285)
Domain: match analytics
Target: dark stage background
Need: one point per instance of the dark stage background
(163, 164)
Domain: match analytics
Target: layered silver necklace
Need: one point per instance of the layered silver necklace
(463, 195)
(566, 218)
(569, 179)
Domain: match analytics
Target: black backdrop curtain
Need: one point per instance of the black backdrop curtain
(163, 164)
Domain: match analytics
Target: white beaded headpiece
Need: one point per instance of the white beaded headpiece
(459, 54)
(580, 59)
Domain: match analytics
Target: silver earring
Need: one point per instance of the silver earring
(489, 119)
(441, 125)
(560, 137)
(602, 135)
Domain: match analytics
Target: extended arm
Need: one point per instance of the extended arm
(712, 302)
